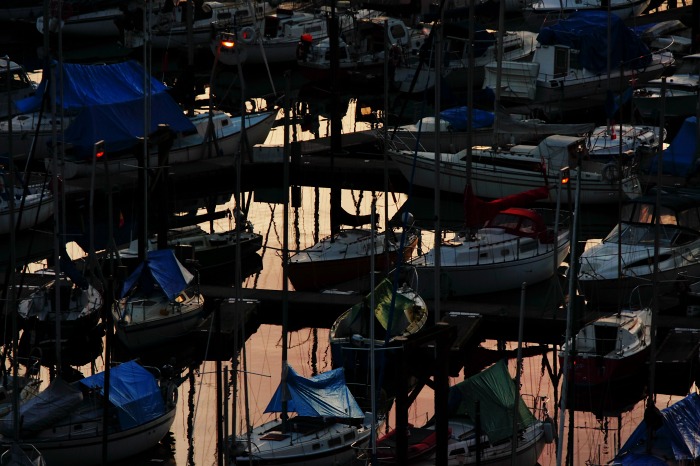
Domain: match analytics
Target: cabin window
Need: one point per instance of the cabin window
(349, 436)
(527, 245)
(574, 62)
(644, 213)
(224, 16)
(689, 218)
(17, 81)
(397, 32)
(527, 226)
(200, 13)
(667, 217)
(561, 61)
(605, 339)
(685, 238)
(334, 442)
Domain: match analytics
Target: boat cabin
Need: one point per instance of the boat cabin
(521, 222)
(678, 215)
(15, 84)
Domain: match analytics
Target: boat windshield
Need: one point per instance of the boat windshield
(644, 213)
(643, 234)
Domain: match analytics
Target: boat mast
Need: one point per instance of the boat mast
(569, 313)
(372, 343)
(147, 65)
(499, 70)
(437, 159)
(650, 407)
(10, 304)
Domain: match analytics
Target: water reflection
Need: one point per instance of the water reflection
(600, 420)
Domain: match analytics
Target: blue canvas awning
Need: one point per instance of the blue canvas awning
(324, 395)
(677, 438)
(160, 268)
(680, 157)
(107, 103)
(587, 31)
(133, 390)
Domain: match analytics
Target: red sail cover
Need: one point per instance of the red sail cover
(477, 211)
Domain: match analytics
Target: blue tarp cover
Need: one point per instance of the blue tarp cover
(458, 118)
(108, 103)
(324, 395)
(133, 390)
(587, 31)
(160, 268)
(678, 438)
(680, 156)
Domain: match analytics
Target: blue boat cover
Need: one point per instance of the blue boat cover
(587, 31)
(324, 395)
(679, 159)
(459, 118)
(678, 437)
(133, 390)
(160, 268)
(108, 104)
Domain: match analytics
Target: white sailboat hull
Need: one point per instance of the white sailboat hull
(37, 208)
(495, 182)
(62, 444)
(185, 149)
(310, 449)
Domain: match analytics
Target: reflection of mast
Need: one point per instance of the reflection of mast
(285, 258)
(336, 125)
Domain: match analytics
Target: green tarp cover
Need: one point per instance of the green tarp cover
(382, 311)
(495, 390)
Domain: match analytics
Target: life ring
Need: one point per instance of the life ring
(247, 35)
(610, 172)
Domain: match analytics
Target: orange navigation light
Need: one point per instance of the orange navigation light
(227, 41)
(564, 175)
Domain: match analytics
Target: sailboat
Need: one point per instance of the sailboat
(574, 60)
(346, 255)
(326, 419)
(397, 313)
(610, 349)
(327, 422)
(65, 422)
(497, 173)
(33, 204)
(494, 389)
(510, 245)
(159, 302)
(105, 102)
